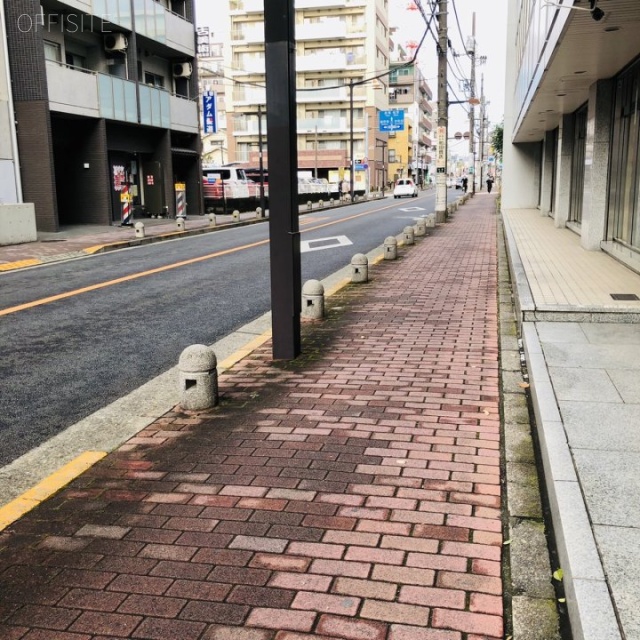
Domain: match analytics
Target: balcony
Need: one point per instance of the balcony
(184, 114)
(72, 90)
(319, 4)
(250, 6)
(250, 66)
(155, 107)
(327, 94)
(328, 125)
(180, 34)
(252, 35)
(115, 11)
(151, 20)
(117, 99)
(246, 96)
(321, 62)
(327, 30)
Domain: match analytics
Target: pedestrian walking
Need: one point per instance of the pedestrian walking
(465, 184)
(489, 183)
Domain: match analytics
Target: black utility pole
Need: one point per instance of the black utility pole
(284, 245)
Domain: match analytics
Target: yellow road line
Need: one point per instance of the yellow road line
(168, 267)
(19, 264)
(47, 487)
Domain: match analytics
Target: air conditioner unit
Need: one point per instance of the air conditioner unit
(115, 42)
(182, 70)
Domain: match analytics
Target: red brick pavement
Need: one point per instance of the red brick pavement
(353, 493)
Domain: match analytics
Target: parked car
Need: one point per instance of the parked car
(405, 187)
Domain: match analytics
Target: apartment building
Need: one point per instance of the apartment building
(341, 45)
(410, 149)
(211, 85)
(105, 96)
(572, 119)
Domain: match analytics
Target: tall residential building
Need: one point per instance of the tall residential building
(341, 45)
(105, 95)
(410, 150)
(572, 119)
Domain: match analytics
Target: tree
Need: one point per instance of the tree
(496, 139)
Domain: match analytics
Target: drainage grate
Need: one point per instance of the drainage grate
(624, 296)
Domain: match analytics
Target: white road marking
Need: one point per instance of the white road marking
(324, 243)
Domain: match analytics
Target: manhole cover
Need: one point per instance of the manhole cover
(624, 296)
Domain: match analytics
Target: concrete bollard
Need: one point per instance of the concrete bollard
(321, 203)
(359, 268)
(236, 216)
(331, 202)
(431, 220)
(180, 224)
(198, 378)
(259, 215)
(421, 227)
(212, 219)
(312, 300)
(390, 248)
(139, 229)
(408, 236)
(309, 205)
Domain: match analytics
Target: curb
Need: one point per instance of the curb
(591, 609)
(589, 604)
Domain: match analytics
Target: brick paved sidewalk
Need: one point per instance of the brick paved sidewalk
(353, 493)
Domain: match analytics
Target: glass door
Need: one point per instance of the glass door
(577, 165)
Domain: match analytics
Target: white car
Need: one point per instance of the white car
(405, 187)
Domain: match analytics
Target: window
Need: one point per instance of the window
(154, 80)
(74, 60)
(52, 51)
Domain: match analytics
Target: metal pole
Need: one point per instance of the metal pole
(481, 140)
(472, 145)
(284, 230)
(353, 164)
(261, 159)
(443, 118)
(315, 146)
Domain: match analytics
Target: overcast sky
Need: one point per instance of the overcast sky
(491, 19)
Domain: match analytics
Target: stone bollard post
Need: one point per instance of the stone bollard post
(421, 227)
(312, 300)
(139, 229)
(359, 268)
(259, 215)
(431, 220)
(390, 248)
(309, 205)
(408, 236)
(198, 378)
(180, 224)
(212, 219)
(321, 203)
(236, 216)
(331, 202)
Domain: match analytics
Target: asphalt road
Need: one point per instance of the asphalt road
(77, 335)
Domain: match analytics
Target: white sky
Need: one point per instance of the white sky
(491, 20)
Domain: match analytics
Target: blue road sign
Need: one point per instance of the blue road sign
(209, 112)
(392, 120)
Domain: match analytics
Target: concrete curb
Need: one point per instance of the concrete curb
(589, 603)
(529, 595)
(591, 610)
